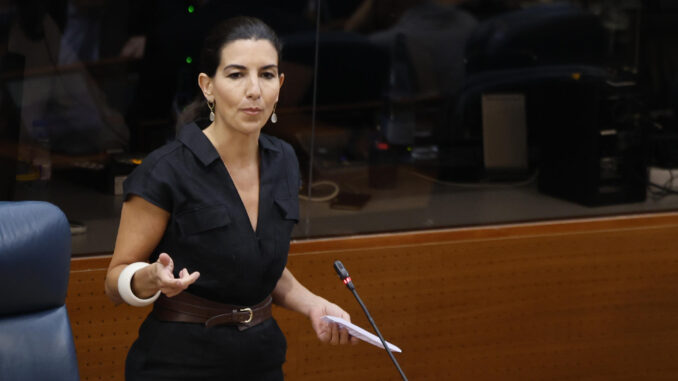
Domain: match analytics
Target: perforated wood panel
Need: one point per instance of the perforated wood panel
(590, 300)
(103, 332)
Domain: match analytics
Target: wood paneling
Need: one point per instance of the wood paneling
(103, 332)
(586, 299)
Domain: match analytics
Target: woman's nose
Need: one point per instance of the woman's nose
(253, 88)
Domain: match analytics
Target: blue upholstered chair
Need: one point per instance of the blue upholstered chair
(36, 342)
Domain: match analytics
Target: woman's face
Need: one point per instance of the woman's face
(245, 86)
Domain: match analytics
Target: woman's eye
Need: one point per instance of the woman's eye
(235, 75)
(268, 75)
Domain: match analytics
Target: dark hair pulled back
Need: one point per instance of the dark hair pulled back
(233, 29)
(230, 30)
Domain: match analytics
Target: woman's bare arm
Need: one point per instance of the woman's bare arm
(291, 294)
(142, 226)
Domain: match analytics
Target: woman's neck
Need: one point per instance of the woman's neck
(235, 149)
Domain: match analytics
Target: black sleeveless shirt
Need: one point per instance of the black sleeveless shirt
(209, 231)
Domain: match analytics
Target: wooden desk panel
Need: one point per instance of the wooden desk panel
(590, 299)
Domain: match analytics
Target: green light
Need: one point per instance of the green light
(409, 149)
(189, 59)
(191, 9)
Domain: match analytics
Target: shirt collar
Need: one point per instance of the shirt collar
(192, 137)
(266, 143)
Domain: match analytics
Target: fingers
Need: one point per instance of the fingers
(176, 285)
(166, 261)
(344, 336)
(187, 278)
(324, 335)
(184, 280)
(322, 328)
(331, 333)
(334, 336)
(167, 283)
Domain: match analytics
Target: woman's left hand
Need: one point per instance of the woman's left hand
(328, 332)
(291, 294)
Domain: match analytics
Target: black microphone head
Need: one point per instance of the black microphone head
(340, 269)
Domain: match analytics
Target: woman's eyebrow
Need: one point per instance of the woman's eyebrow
(242, 67)
(234, 66)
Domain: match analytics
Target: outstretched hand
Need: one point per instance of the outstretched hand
(329, 332)
(164, 275)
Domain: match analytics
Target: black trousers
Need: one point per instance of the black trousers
(187, 351)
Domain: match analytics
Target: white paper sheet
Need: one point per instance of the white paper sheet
(360, 333)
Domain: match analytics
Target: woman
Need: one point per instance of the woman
(213, 212)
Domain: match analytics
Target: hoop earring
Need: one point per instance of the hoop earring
(274, 117)
(210, 105)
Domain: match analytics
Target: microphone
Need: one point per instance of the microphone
(343, 275)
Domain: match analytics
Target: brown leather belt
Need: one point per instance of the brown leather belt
(188, 308)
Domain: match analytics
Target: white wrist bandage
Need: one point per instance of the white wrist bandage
(125, 286)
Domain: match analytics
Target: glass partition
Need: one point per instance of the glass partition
(404, 115)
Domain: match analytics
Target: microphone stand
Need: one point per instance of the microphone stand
(343, 274)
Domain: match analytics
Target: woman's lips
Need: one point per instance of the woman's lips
(251, 110)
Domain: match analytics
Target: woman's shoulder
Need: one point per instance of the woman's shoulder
(163, 155)
(288, 162)
(277, 143)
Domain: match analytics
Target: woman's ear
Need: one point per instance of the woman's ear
(205, 83)
(282, 80)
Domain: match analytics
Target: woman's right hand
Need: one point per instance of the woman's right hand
(160, 276)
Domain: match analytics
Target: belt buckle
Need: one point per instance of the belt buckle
(247, 309)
